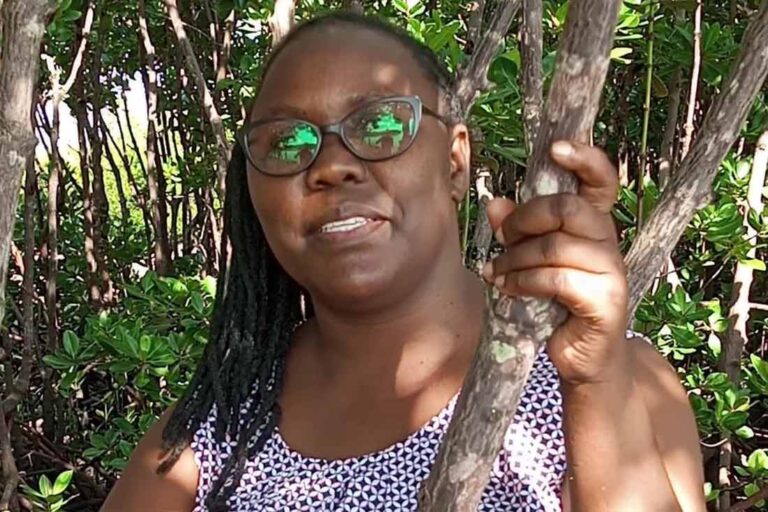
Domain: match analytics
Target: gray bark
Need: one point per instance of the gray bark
(157, 209)
(515, 329)
(689, 188)
(23, 24)
(531, 50)
(282, 20)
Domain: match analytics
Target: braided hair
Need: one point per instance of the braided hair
(258, 306)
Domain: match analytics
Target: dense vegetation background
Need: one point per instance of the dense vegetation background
(114, 261)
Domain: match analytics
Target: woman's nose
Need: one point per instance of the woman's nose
(334, 165)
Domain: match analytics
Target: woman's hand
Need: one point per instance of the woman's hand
(564, 246)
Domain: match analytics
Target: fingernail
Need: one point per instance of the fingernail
(488, 271)
(562, 148)
(499, 234)
(499, 282)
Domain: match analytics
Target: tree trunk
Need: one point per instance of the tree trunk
(206, 100)
(125, 214)
(91, 266)
(689, 188)
(23, 26)
(282, 20)
(531, 49)
(515, 329)
(667, 163)
(157, 199)
(736, 335)
(100, 202)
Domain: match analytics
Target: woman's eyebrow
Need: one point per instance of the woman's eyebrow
(280, 110)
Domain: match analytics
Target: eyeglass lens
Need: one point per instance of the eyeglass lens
(377, 131)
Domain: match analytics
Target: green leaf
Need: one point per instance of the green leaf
(196, 301)
(71, 344)
(619, 54)
(757, 461)
(45, 486)
(58, 362)
(62, 482)
(734, 420)
(745, 432)
(92, 453)
(755, 264)
(717, 381)
(760, 366)
(750, 490)
(122, 366)
(715, 345)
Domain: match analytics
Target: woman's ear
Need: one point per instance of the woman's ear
(459, 161)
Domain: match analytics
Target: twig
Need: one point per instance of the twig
(472, 79)
(752, 500)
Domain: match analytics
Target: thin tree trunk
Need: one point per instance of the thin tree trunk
(282, 20)
(667, 162)
(689, 188)
(475, 23)
(206, 100)
(736, 335)
(531, 50)
(157, 200)
(91, 266)
(20, 385)
(100, 202)
(137, 192)
(515, 329)
(125, 214)
(23, 25)
(688, 135)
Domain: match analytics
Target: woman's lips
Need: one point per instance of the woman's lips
(360, 232)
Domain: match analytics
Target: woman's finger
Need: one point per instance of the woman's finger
(557, 249)
(560, 212)
(499, 209)
(585, 294)
(598, 178)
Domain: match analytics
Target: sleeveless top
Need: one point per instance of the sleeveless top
(526, 476)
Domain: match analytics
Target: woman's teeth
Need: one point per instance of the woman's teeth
(344, 225)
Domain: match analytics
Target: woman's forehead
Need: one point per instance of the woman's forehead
(324, 72)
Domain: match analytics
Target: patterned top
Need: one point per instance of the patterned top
(527, 476)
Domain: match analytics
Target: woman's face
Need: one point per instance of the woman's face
(409, 201)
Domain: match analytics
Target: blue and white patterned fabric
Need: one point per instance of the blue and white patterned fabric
(527, 475)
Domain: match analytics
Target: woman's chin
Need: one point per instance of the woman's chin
(359, 293)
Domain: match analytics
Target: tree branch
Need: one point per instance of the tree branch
(206, 100)
(515, 329)
(689, 188)
(282, 20)
(531, 50)
(472, 79)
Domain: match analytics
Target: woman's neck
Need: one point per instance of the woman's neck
(416, 341)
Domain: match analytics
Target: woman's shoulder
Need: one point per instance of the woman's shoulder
(173, 491)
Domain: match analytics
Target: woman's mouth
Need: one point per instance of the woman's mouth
(341, 226)
(351, 229)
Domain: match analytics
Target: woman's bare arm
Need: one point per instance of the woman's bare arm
(658, 471)
(141, 489)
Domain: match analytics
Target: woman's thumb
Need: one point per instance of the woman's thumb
(498, 209)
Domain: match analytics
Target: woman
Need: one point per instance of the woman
(346, 322)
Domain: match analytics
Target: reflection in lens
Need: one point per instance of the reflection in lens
(294, 144)
(381, 130)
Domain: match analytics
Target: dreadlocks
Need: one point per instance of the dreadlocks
(258, 306)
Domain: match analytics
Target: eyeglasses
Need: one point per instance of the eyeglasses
(378, 130)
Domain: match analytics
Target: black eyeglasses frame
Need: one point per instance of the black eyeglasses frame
(337, 128)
